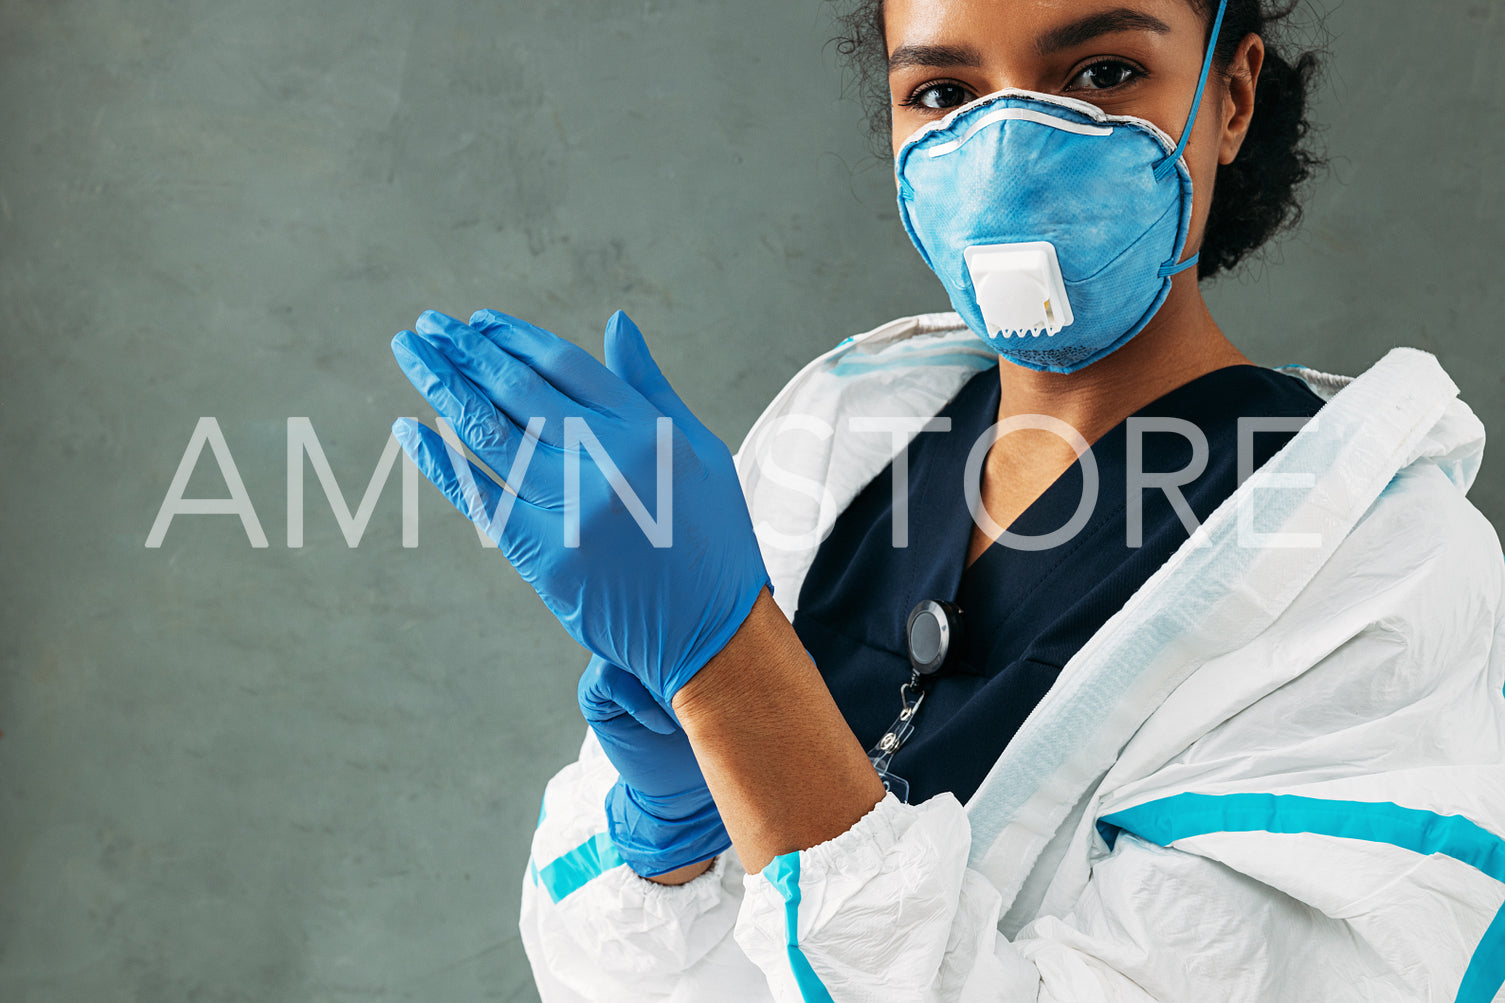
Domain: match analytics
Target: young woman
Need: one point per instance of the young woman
(1210, 709)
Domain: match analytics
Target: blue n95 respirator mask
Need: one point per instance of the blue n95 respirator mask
(1055, 227)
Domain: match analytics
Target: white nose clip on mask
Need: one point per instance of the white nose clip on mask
(1019, 288)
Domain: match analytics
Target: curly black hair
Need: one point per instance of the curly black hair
(1255, 197)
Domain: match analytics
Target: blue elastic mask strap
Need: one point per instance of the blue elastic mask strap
(1169, 163)
(1172, 268)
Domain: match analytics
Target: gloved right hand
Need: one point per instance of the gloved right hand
(659, 814)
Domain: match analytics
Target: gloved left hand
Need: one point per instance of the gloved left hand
(525, 401)
(659, 813)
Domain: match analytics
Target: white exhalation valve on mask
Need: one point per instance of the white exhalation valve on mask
(1019, 288)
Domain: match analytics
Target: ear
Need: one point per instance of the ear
(1238, 104)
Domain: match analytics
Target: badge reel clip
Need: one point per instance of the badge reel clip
(931, 632)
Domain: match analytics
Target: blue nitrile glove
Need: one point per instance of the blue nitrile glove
(659, 813)
(660, 612)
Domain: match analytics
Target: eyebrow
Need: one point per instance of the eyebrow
(1065, 37)
(1094, 25)
(933, 55)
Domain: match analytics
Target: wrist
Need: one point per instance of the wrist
(764, 652)
(683, 875)
(731, 631)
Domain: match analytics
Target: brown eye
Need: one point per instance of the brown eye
(939, 96)
(1104, 75)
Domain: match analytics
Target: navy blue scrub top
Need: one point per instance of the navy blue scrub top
(1024, 613)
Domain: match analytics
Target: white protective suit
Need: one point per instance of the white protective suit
(1278, 773)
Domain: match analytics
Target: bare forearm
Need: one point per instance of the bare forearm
(785, 770)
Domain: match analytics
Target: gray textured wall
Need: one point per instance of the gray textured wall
(310, 774)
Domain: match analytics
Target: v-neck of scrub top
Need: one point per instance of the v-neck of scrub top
(1025, 613)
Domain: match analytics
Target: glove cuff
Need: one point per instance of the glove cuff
(717, 638)
(653, 845)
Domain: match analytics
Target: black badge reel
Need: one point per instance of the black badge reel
(931, 633)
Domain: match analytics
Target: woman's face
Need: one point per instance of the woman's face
(1128, 57)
